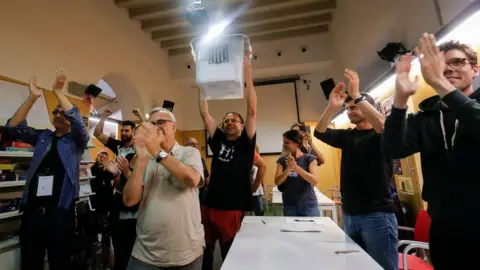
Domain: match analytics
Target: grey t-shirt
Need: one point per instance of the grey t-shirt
(169, 226)
(295, 190)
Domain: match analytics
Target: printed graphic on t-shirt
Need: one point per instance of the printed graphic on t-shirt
(293, 174)
(226, 153)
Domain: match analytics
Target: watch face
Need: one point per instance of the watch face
(163, 154)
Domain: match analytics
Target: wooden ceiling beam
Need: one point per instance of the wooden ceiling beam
(265, 37)
(304, 22)
(276, 9)
(187, 32)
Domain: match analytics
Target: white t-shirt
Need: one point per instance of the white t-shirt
(169, 226)
(254, 175)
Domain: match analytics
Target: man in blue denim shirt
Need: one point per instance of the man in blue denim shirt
(52, 185)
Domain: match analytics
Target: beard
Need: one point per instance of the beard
(126, 138)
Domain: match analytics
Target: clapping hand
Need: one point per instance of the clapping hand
(151, 137)
(433, 64)
(337, 97)
(291, 163)
(404, 86)
(112, 167)
(353, 83)
(123, 165)
(34, 91)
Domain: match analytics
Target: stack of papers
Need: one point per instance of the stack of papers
(301, 225)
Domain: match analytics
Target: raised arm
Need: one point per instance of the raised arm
(98, 132)
(209, 121)
(250, 121)
(22, 112)
(335, 104)
(309, 138)
(78, 129)
(371, 114)
(400, 137)
(262, 169)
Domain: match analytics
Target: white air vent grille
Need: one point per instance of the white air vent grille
(76, 89)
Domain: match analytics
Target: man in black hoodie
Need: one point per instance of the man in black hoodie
(446, 132)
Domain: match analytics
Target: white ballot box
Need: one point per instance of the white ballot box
(219, 62)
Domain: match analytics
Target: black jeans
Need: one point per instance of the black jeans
(123, 238)
(50, 230)
(453, 244)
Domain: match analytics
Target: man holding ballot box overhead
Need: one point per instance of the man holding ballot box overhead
(230, 189)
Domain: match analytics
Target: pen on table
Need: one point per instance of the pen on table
(263, 221)
(345, 251)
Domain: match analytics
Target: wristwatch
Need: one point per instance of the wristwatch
(161, 156)
(359, 99)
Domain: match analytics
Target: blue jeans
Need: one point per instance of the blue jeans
(257, 204)
(377, 234)
(301, 210)
(135, 264)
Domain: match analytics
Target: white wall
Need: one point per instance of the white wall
(91, 39)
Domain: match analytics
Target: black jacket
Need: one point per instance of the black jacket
(446, 132)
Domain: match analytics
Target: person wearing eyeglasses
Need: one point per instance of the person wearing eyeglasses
(165, 181)
(445, 132)
(366, 172)
(230, 190)
(52, 185)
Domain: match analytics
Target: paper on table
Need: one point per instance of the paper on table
(254, 221)
(295, 220)
(299, 227)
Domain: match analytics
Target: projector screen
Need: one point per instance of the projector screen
(276, 113)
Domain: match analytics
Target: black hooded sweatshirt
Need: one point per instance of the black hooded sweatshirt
(446, 132)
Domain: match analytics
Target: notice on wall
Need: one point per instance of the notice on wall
(405, 185)
(397, 167)
(387, 106)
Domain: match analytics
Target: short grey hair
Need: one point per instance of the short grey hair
(159, 109)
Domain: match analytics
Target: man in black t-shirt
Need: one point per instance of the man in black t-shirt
(124, 218)
(366, 173)
(230, 189)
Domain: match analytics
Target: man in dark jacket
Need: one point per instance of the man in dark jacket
(446, 134)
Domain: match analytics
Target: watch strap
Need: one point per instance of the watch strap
(359, 99)
(161, 155)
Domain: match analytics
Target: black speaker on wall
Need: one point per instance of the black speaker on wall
(327, 86)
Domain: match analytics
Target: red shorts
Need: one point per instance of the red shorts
(220, 225)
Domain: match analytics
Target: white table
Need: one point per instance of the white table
(324, 203)
(260, 246)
